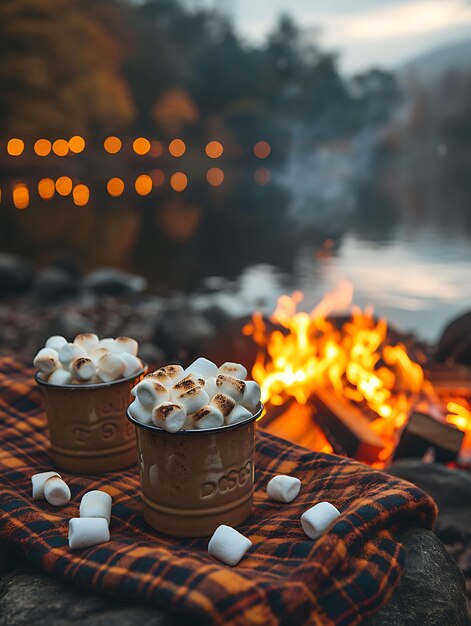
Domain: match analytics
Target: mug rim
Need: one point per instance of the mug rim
(102, 385)
(197, 431)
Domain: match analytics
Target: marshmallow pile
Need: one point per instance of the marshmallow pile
(229, 545)
(201, 396)
(87, 359)
(92, 527)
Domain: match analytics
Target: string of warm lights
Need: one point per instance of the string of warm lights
(112, 145)
(143, 185)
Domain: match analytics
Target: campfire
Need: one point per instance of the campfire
(352, 385)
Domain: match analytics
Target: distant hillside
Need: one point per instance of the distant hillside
(431, 65)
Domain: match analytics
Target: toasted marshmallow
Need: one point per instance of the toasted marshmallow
(69, 352)
(210, 387)
(193, 399)
(56, 342)
(83, 368)
(140, 413)
(238, 414)
(109, 343)
(184, 384)
(252, 394)
(150, 392)
(233, 369)
(110, 367)
(56, 491)
(163, 378)
(85, 532)
(60, 377)
(96, 355)
(88, 341)
(174, 372)
(223, 403)
(126, 344)
(46, 360)
(208, 417)
(131, 364)
(231, 386)
(202, 368)
(38, 481)
(169, 416)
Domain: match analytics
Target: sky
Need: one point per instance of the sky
(388, 33)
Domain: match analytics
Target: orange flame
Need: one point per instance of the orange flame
(355, 359)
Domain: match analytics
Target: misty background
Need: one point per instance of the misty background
(343, 148)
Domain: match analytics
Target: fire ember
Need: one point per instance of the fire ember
(353, 386)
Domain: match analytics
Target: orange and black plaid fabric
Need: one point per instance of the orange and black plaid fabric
(284, 579)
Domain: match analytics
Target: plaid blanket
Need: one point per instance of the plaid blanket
(285, 578)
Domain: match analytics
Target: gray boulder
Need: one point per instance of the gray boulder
(16, 275)
(111, 281)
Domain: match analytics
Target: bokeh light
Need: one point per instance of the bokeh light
(20, 196)
(60, 147)
(262, 149)
(141, 146)
(46, 188)
(15, 147)
(215, 176)
(156, 148)
(64, 185)
(178, 181)
(115, 187)
(76, 144)
(158, 177)
(42, 147)
(214, 149)
(177, 147)
(81, 194)
(262, 176)
(143, 185)
(112, 144)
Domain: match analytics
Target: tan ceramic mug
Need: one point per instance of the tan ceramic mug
(194, 480)
(88, 429)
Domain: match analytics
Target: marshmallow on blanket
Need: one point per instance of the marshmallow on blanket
(233, 369)
(283, 488)
(85, 532)
(60, 377)
(318, 518)
(96, 504)
(169, 416)
(231, 386)
(228, 545)
(238, 414)
(208, 417)
(88, 341)
(193, 399)
(150, 392)
(46, 360)
(252, 394)
(56, 342)
(140, 413)
(202, 368)
(83, 368)
(38, 481)
(110, 367)
(56, 491)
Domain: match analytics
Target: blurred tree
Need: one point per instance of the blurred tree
(60, 70)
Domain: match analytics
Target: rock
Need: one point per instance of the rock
(54, 283)
(114, 282)
(451, 489)
(431, 590)
(455, 341)
(181, 333)
(16, 275)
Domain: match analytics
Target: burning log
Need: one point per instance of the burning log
(423, 432)
(345, 427)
